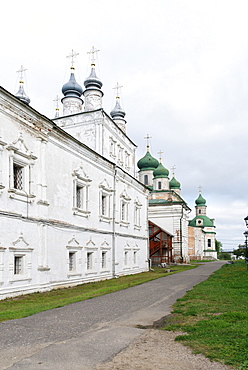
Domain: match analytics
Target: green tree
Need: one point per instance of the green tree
(218, 246)
(240, 251)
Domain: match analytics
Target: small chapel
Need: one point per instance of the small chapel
(201, 233)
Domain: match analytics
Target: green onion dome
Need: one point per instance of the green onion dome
(148, 162)
(160, 172)
(174, 184)
(200, 201)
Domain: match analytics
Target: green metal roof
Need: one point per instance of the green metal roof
(174, 184)
(160, 172)
(206, 222)
(148, 162)
(200, 201)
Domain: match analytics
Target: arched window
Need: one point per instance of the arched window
(146, 179)
(159, 185)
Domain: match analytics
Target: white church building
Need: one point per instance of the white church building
(167, 209)
(71, 210)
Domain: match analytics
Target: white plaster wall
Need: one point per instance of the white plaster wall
(45, 228)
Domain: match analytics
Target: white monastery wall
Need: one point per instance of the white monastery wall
(77, 217)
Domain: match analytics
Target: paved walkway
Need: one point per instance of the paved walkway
(84, 334)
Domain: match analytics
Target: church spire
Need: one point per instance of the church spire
(72, 103)
(93, 93)
(118, 113)
(21, 93)
(200, 204)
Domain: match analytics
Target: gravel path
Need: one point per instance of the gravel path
(156, 349)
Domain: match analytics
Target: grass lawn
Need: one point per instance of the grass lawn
(26, 305)
(214, 316)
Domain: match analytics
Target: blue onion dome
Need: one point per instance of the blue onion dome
(160, 172)
(200, 201)
(174, 184)
(93, 82)
(117, 112)
(21, 94)
(147, 162)
(72, 88)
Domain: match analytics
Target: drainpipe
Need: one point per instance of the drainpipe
(113, 227)
(181, 236)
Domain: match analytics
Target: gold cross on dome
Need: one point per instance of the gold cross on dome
(21, 70)
(200, 188)
(72, 56)
(117, 88)
(160, 155)
(173, 170)
(93, 51)
(147, 137)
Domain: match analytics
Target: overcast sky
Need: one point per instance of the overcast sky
(183, 66)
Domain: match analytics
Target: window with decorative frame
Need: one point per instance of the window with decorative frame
(105, 201)
(21, 163)
(81, 183)
(127, 160)
(112, 147)
(137, 214)
(124, 208)
(74, 258)
(20, 261)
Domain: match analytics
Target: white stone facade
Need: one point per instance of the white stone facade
(69, 213)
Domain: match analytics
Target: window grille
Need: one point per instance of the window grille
(17, 265)
(18, 177)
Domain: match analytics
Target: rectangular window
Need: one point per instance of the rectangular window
(104, 261)
(123, 211)
(126, 258)
(135, 258)
(104, 205)
(146, 179)
(18, 262)
(159, 185)
(79, 196)
(89, 260)
(209, 243)
(18, 176)
(72, 261)
(136, 216)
